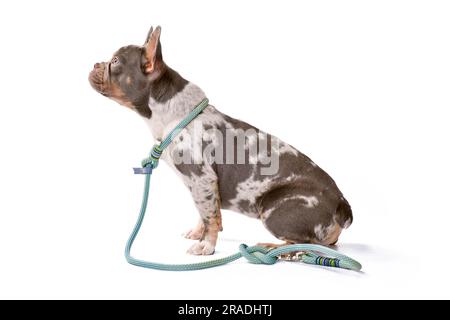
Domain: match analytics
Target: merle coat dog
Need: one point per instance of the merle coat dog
(226, 163)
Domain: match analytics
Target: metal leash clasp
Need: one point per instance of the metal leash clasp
(292, 257)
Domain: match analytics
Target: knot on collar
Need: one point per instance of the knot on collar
(150, 163)
(153, 159)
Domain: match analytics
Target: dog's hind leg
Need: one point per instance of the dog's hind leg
(296, 216)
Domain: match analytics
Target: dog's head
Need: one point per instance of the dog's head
(128, 76)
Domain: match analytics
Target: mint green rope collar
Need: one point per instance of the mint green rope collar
(308, 253)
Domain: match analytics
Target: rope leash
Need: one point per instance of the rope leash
(307, 253)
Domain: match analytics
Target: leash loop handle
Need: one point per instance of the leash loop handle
(257, 255)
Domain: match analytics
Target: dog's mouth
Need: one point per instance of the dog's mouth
(97, 79)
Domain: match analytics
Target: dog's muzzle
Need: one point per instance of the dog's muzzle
(97, 78)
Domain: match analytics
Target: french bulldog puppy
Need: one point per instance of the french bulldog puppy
(226, 163)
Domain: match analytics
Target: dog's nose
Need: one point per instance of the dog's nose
(97, 65)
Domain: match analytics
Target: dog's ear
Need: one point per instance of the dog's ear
(153, 52)
(148, 36)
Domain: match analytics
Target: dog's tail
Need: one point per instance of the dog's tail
(344, 216)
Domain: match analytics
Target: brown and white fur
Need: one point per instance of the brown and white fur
(299, 203)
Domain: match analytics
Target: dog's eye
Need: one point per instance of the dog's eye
(115, 61)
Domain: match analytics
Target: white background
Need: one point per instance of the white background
(362, 87)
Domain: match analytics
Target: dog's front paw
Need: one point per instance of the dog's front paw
(194, 234)
(202, 248)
